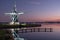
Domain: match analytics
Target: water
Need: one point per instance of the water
(55, 35)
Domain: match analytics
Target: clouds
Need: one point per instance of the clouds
(35, 3)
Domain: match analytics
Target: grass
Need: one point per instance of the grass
(5, 34)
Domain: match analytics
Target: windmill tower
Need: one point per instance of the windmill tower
(14, 16)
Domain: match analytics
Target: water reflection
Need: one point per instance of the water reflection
(55, 35)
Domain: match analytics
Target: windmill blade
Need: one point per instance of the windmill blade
(11, 13)
(20, 13)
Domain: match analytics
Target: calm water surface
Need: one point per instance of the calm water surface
(55, 35)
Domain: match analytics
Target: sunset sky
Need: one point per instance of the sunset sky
(34, 10)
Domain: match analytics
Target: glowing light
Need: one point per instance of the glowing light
(11, 23)
(23, 24)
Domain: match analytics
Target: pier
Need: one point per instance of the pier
(27, 30)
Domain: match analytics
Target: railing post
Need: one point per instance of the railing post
(51, 29)
(45, 29)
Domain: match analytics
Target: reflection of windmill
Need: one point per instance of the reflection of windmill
(14, 15)
(15, 35)
(15, 32)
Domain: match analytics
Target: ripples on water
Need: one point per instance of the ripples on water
(55, 35)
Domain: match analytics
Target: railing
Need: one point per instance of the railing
(35, 30)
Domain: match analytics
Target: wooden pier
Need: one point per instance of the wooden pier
(27, 30)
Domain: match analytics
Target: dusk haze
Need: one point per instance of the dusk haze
(34, 10)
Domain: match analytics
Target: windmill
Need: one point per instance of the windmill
(14, 15)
